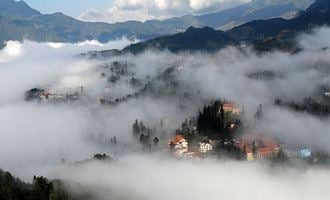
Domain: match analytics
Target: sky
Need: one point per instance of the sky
(69, 7)
(122, 10)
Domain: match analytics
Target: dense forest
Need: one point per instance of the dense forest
(309, 105)
(12, 188)
(41, 188)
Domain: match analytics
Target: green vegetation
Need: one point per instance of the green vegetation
(12, 188)
(214, 122)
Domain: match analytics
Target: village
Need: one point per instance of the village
(230, 142)
(43, 94)
(217, 132)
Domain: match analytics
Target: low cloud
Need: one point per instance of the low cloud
(35, 137)
(149, 177)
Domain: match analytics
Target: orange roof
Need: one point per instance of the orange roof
(177, 139)
(265, 149)
(267, 145)
(229, 105)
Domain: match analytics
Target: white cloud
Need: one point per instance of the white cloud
(123, 10)
(34, 137)
(12, 49)
(143, 177)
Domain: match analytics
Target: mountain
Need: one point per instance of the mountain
(18, 21)
(301, 4)
(226, 19)
(17, 9)
(315, 15)
(192, 39)
(264, 34)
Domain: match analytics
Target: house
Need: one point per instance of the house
(232, 108)
(205, 147)
(305, 153)
(256, 147)
(179, 145)
(49, 96)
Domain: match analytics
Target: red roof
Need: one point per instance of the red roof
(177, 139)
(229, 105)
(263, 144)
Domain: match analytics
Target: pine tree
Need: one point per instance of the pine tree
(254, 148)
(136, 129)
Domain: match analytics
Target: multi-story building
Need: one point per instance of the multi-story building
(256, 147)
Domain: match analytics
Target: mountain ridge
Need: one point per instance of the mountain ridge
(19, 22)
(274, 32)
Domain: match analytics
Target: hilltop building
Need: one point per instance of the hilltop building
(232, 108)
(256, 147)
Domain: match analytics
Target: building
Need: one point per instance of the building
(305, 153)
(179, 145)
(256, 147)
(232, 108)
(205, 147)
(49, 96)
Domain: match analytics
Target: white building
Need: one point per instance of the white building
(205, 147)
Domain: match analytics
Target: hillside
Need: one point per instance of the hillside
(265, 34)
(192, 39)
(315, 15)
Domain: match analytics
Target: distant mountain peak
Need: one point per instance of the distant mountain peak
(263, 34)
(301, 4)
(20, 22)
(13, 8)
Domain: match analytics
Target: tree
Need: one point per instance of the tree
(41, 188)
(254, 148)
(259, 112)
(136, 129)
(156, 141)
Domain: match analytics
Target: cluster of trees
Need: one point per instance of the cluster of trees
(140, 129)
(33, 94)
(12, 188)
(227, 149)
(117, 70)
(120, 100)
(213, 122)
(164, 84)
(211, 119)
(310, 105)
(102, 157)
(143, 133)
